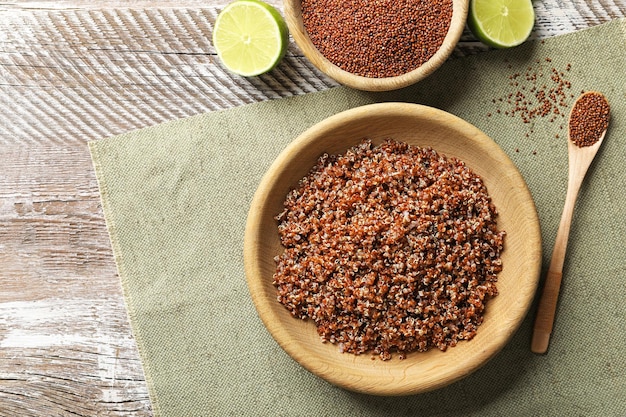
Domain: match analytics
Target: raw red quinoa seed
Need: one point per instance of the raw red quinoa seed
(380, 38)
(589, 119)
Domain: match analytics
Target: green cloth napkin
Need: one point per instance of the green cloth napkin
(175, 198)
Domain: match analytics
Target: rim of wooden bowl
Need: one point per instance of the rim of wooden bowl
(293, 17)
(451, 136)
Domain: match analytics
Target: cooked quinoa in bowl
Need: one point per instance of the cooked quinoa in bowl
(397, 232)
(389, 248)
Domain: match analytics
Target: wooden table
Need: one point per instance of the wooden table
(72, 71)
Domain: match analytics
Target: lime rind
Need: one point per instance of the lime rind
(250, 37)
(501, 23)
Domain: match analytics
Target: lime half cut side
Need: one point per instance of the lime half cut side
(250, 37)
(501, 23)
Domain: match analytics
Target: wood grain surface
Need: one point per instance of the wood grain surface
(80, 70)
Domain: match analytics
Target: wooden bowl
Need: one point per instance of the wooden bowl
(293, 17)
(451, 136)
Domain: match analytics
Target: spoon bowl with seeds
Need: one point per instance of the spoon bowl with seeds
(588, 123)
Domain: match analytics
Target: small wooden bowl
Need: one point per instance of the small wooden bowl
(451, 136)
(293, 17)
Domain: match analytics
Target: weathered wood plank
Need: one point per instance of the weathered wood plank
(116, 4)
(58, 360)
(145, 68)
(66, 347)
(73, 71)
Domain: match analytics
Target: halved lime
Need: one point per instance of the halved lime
(501, 23)
(250, 37)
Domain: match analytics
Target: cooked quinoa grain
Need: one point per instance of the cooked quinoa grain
(389, 248)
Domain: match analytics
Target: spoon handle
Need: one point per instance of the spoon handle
(546, 310)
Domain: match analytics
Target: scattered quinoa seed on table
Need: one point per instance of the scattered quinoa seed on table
(540, 91)
(389, 248)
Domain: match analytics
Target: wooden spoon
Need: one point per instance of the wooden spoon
(580, 158)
